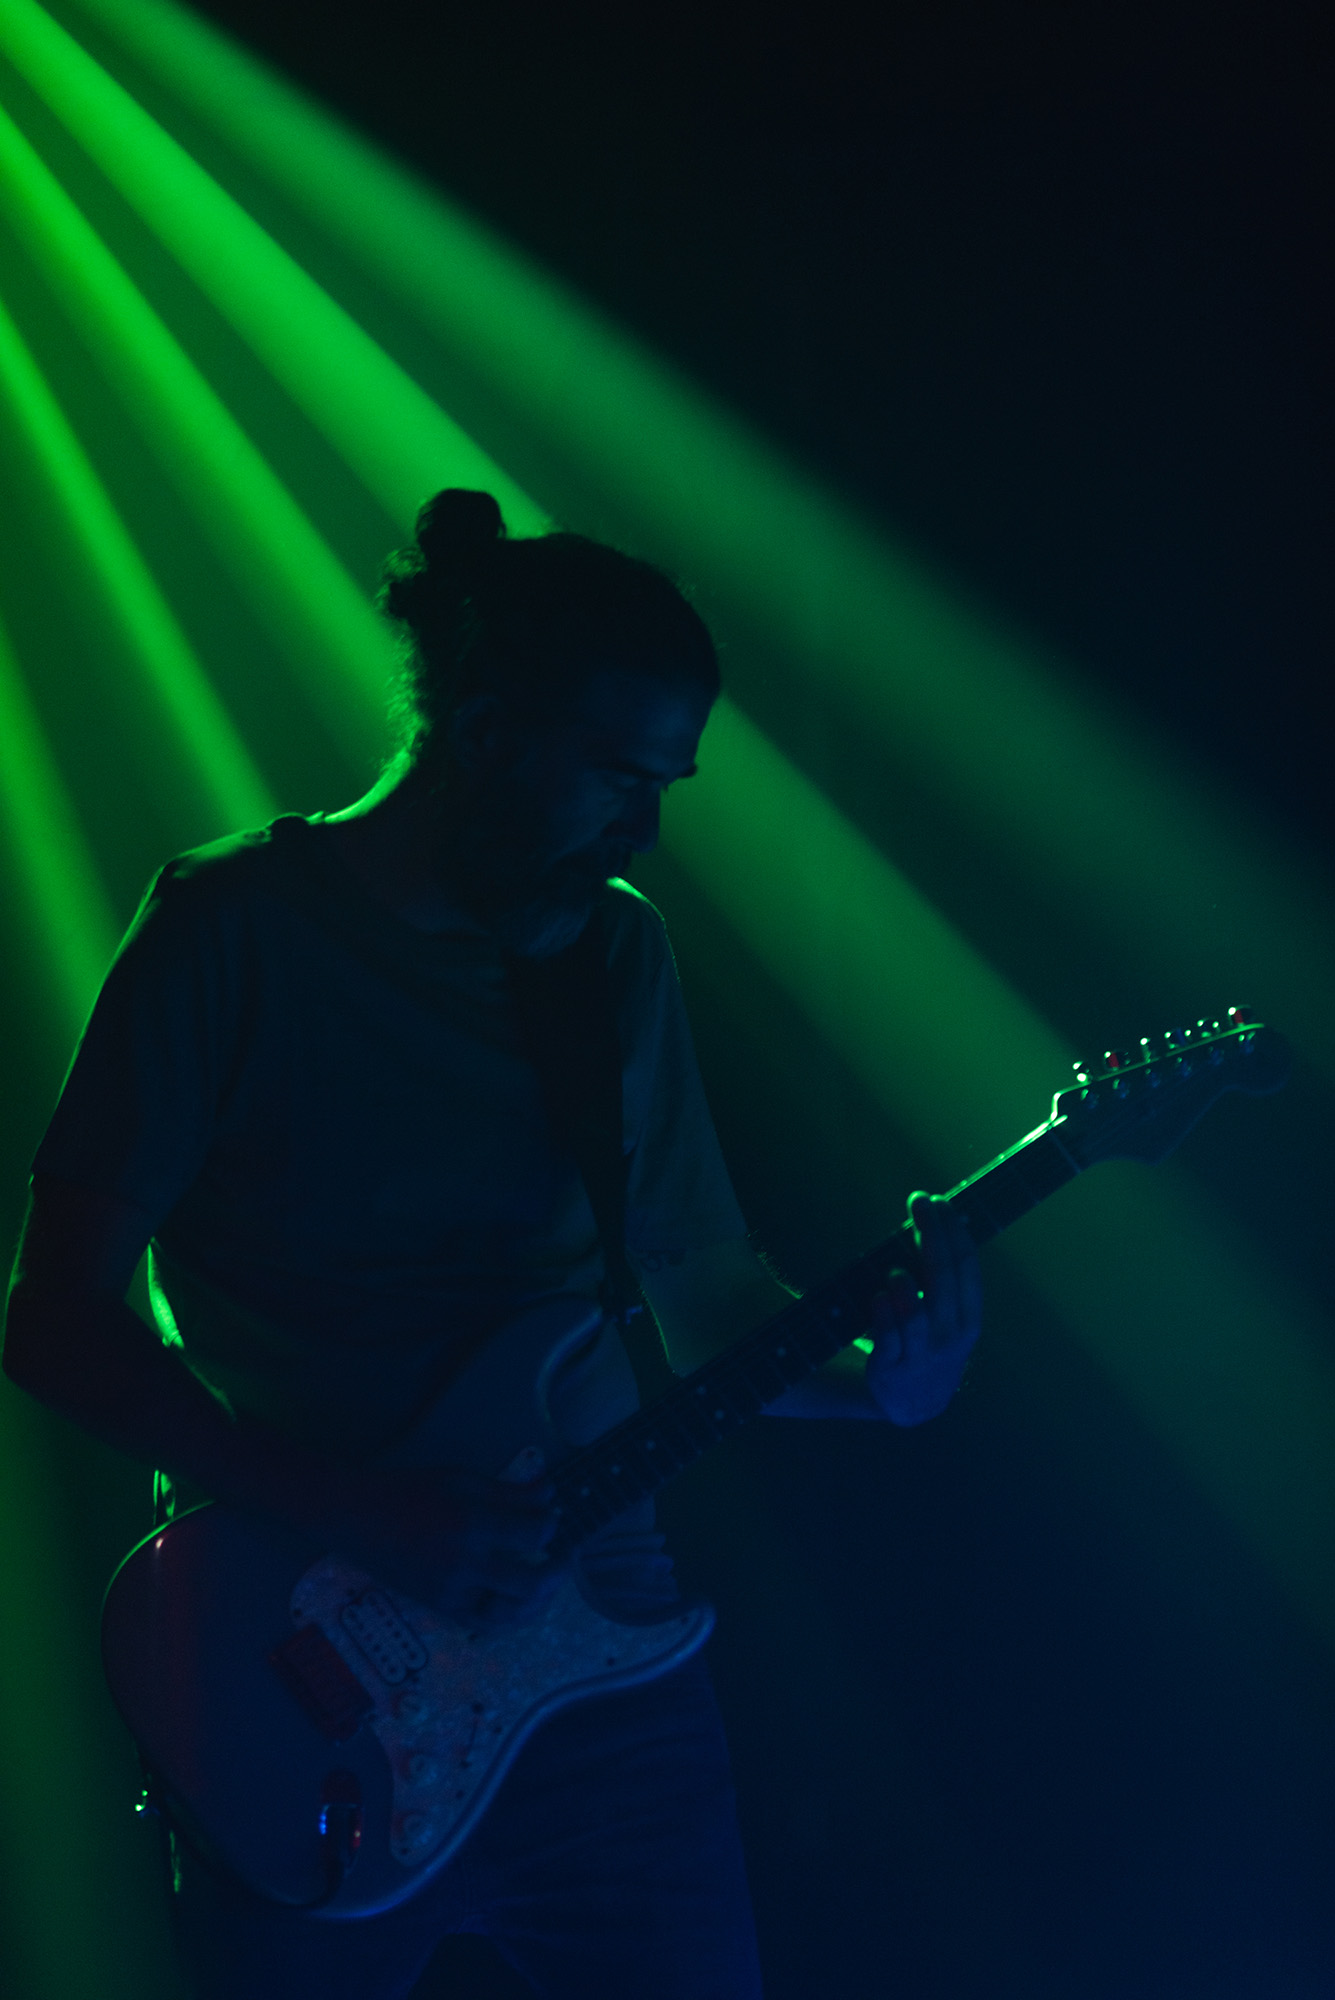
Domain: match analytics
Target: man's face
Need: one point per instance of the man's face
(554, 808)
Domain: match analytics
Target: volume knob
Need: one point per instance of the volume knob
(416, 1829)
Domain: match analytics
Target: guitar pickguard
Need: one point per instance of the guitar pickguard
(455, 1703)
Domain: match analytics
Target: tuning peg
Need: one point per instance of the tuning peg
(1148, 1056)
(1083, 1070)
(1207, 1036)
(1115, 1059)
(1241, 1017)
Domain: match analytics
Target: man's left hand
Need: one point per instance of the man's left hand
(923, 1338)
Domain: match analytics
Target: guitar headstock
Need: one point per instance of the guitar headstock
(1138, 1104)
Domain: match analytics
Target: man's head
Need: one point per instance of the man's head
(553, 689)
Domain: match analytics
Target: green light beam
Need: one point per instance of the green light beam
(325, 626)
(1011, 747)
(225, 772)
(1213, 1349)
(1188, 882)
(52, 1822)
(398, 441)
(1220, 1353)
(943, 1043)
(76, 1915)
(68, 905)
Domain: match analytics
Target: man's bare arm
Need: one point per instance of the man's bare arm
(922, 1339)
(706, 1299)
(72, 1341)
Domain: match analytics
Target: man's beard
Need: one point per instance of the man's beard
(536, 914)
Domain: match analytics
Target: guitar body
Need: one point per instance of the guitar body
(286, 1706)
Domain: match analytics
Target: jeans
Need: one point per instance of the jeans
(608, 1867)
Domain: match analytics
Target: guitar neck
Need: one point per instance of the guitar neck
(632, 1461)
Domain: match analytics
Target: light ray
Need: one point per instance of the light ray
(1192, 886)
(78, 1919)
(55, 1827)
(68, 906)
(224, 769)
(1003, 739)
(324, 625)
(1215, 1351)
(398, 441)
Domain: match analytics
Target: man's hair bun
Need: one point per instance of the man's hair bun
(456, 541)
(534, 618)
(456, 527)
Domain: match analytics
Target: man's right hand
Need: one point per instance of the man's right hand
(464, 1544)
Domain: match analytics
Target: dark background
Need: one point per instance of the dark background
(1047, 290)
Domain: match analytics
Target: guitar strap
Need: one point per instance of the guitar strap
(568, 1027)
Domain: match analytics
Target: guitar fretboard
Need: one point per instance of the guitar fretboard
(632, 1461)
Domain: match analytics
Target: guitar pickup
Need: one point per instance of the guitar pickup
(312, 1668)
(386, 1638)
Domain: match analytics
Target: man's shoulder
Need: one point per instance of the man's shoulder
(632, 921)
(233, 868)
(627, 905)
(213, 890)
(638, 952)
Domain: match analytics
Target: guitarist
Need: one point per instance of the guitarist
(303, 1084)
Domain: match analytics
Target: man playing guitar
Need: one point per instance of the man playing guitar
(305, 1085)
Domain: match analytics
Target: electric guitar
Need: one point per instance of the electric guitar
(330, 1743)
